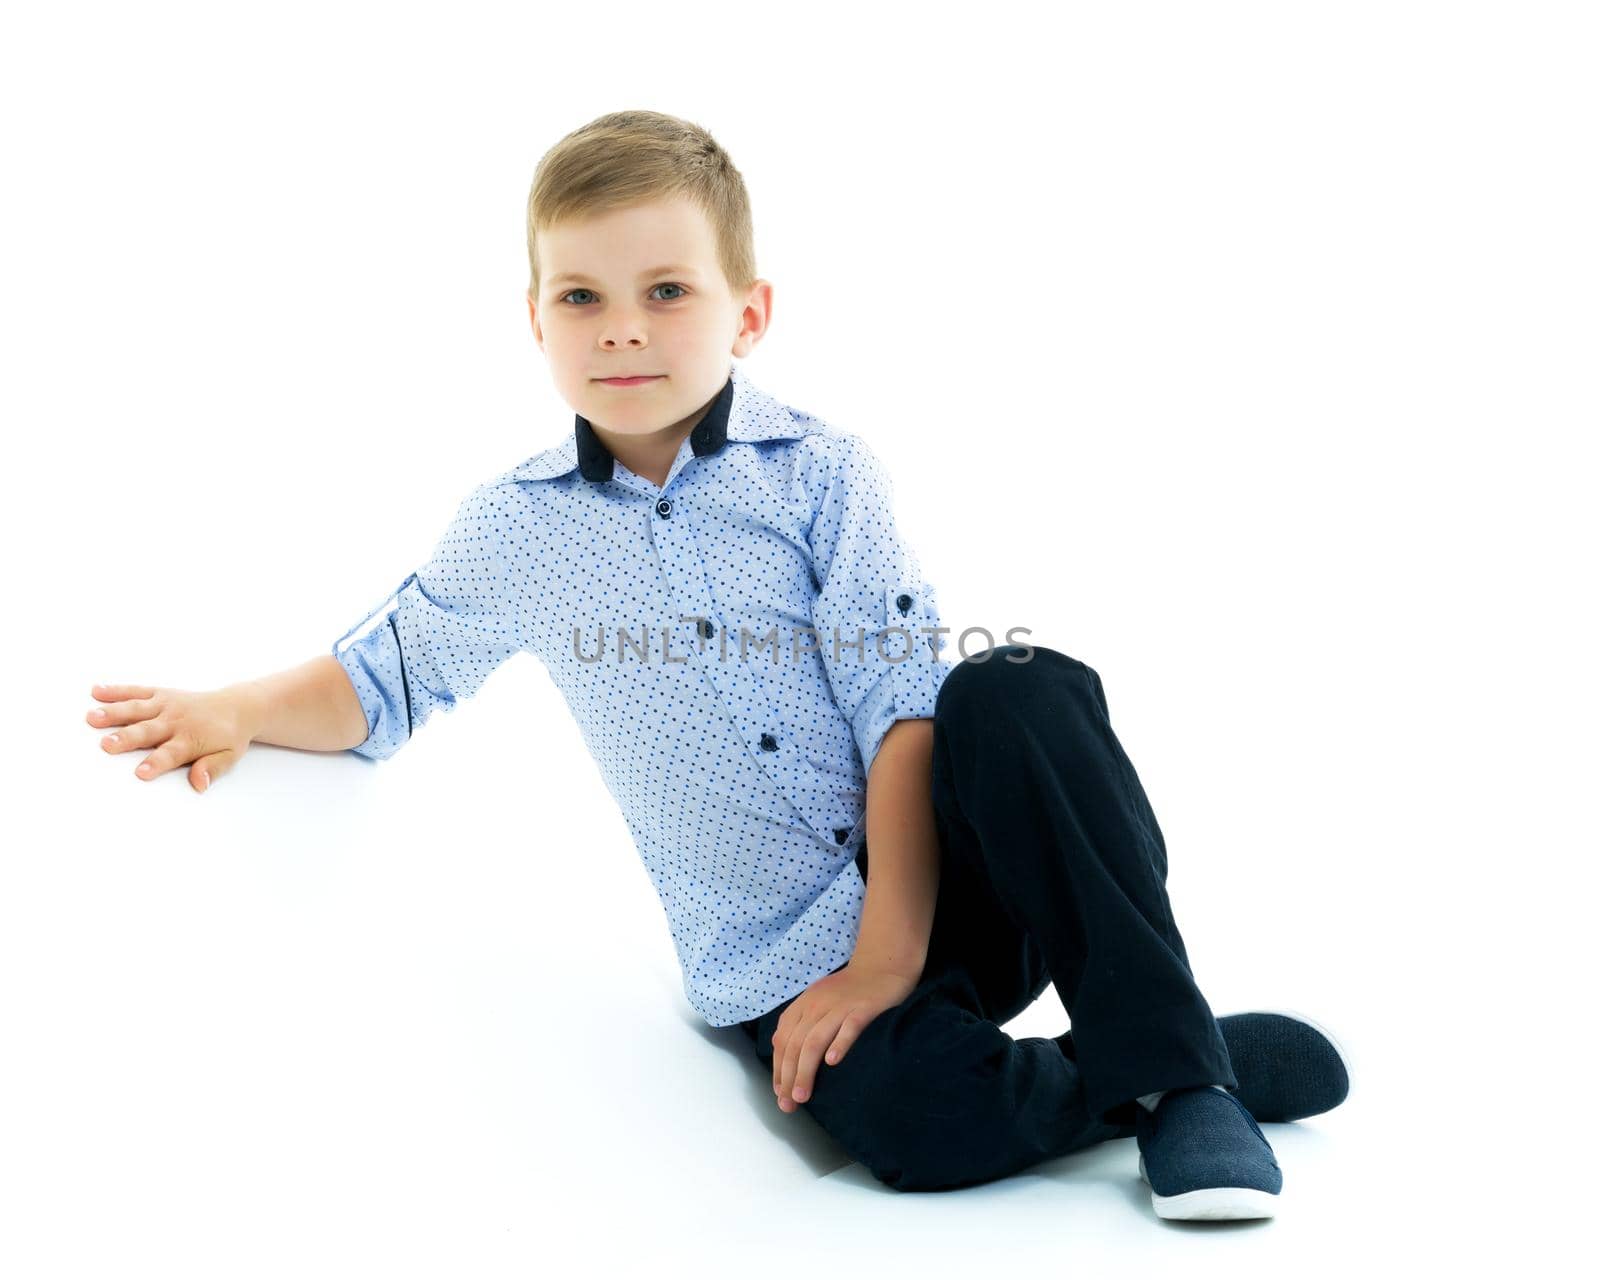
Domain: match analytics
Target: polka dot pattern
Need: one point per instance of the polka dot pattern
(733, 646)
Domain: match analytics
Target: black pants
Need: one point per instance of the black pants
(1052, 869)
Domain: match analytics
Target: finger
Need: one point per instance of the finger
(124, 712)
(780, 1039)
(810, 1054)
(780, 1062)
(791, 1058)
(841, 1043)
(146, 733)
(207, 769)
(117, 692)
(168, 756)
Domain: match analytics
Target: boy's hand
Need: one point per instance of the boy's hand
(210, 729)
(827, 1017)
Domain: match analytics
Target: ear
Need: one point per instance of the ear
(754, 319)
(533, 319)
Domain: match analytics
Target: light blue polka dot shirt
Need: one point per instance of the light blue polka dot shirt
(733, 646)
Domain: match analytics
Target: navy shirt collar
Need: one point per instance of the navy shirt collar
(595, 461)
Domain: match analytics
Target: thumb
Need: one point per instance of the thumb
(207, 769)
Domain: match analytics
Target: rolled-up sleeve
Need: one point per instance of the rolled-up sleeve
(443, 630)
(877, 620)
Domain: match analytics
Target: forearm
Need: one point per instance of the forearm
(312, 706)
(903, 852)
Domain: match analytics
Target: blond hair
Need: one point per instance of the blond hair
(628, 157)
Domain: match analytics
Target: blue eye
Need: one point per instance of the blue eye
(666, 285)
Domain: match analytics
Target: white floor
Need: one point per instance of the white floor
(416, 1019)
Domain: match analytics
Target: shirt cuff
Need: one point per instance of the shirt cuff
(909, 688)
(377, 673)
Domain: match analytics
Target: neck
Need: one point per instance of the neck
(651, 455)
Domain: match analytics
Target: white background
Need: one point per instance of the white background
(1243, 351)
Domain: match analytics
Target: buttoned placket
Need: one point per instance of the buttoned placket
(736, 681)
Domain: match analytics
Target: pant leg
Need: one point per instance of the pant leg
(934, 1095)
(1033, 789)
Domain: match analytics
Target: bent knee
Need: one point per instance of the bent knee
(1016, 672)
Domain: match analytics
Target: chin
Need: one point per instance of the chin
(639, 418)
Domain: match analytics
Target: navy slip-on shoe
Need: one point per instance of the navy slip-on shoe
(1206, 1158)
(1288, 1067)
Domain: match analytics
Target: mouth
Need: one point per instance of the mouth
(638, 380)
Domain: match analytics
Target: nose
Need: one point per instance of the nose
(623, 330)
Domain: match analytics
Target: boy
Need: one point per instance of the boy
(715, 582)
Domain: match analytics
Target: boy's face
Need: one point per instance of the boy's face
(606, 310)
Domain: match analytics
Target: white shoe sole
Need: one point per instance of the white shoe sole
(1213, 1204)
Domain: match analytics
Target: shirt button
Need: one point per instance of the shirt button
(706, 628)
(664, 507)
(903, 603)
(768, 742)
(841, 834)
